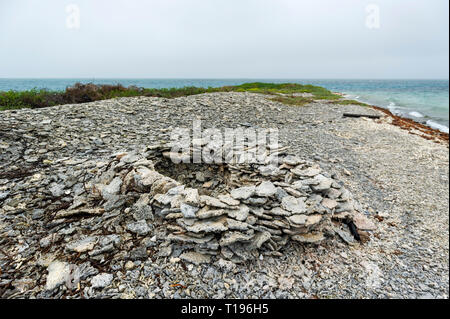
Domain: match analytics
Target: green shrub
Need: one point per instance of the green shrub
(351, 102)
(82, 93)
(293, 100)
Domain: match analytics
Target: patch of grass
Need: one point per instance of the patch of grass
(287, 88)
(293, 100)
(179, 92)
(32, 98)
(350, 102)
(82, 93)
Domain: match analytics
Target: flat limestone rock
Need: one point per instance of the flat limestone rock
(205, 212)
(345, 236)
(243, 192)
(233, 237)
(142, 209)
(257, 211)
(280, 223)
(305, 220)
(145, 177)
(329, 203)
(188, 211)
(161, 186)
(174, 216)
(57, 190)
(139, 227)
(195, 258)
(82, 245)
(266, 189)
(308, 172)
(346, 206)
(269, 170)
(333, 193)
(362, 222)
(191, 197)
(101, 280)
(163, 199)
(298, 219)
(324, 183)
(211, 201)
(176, 201)
(112, 188)
(313, 219)
(241, 214)
(177, 190)
(227, 199)
(209, 226)
(256, 201)
(293, 204)
(275, 224)
(278, 211)
(292, 160)
(236, 225)
(189, 239)
(310, 238)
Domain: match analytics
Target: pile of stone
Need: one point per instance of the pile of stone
(231, 210)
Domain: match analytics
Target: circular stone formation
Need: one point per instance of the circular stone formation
(232, 211)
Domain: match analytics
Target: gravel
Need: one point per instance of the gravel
(48, 155)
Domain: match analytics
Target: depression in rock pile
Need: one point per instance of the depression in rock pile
(235, 211)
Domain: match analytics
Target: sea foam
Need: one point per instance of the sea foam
(437, 126)
(415, 114)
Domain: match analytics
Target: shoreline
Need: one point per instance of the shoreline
(402, 116)
(414, 127)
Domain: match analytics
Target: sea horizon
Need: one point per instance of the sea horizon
(221, 78)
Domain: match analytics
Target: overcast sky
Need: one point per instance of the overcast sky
(224, 38)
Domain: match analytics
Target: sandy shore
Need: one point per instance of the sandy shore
(397, 170)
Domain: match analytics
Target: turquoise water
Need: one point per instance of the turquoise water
(426, 101)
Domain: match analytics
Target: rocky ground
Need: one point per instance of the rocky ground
(48, 155)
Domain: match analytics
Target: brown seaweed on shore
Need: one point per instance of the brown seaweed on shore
(410, 125)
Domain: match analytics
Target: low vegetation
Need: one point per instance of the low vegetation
(287, 88)
(82, 93)
(293, 100)
(351, 102)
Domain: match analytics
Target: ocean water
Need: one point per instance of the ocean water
(426, 101)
